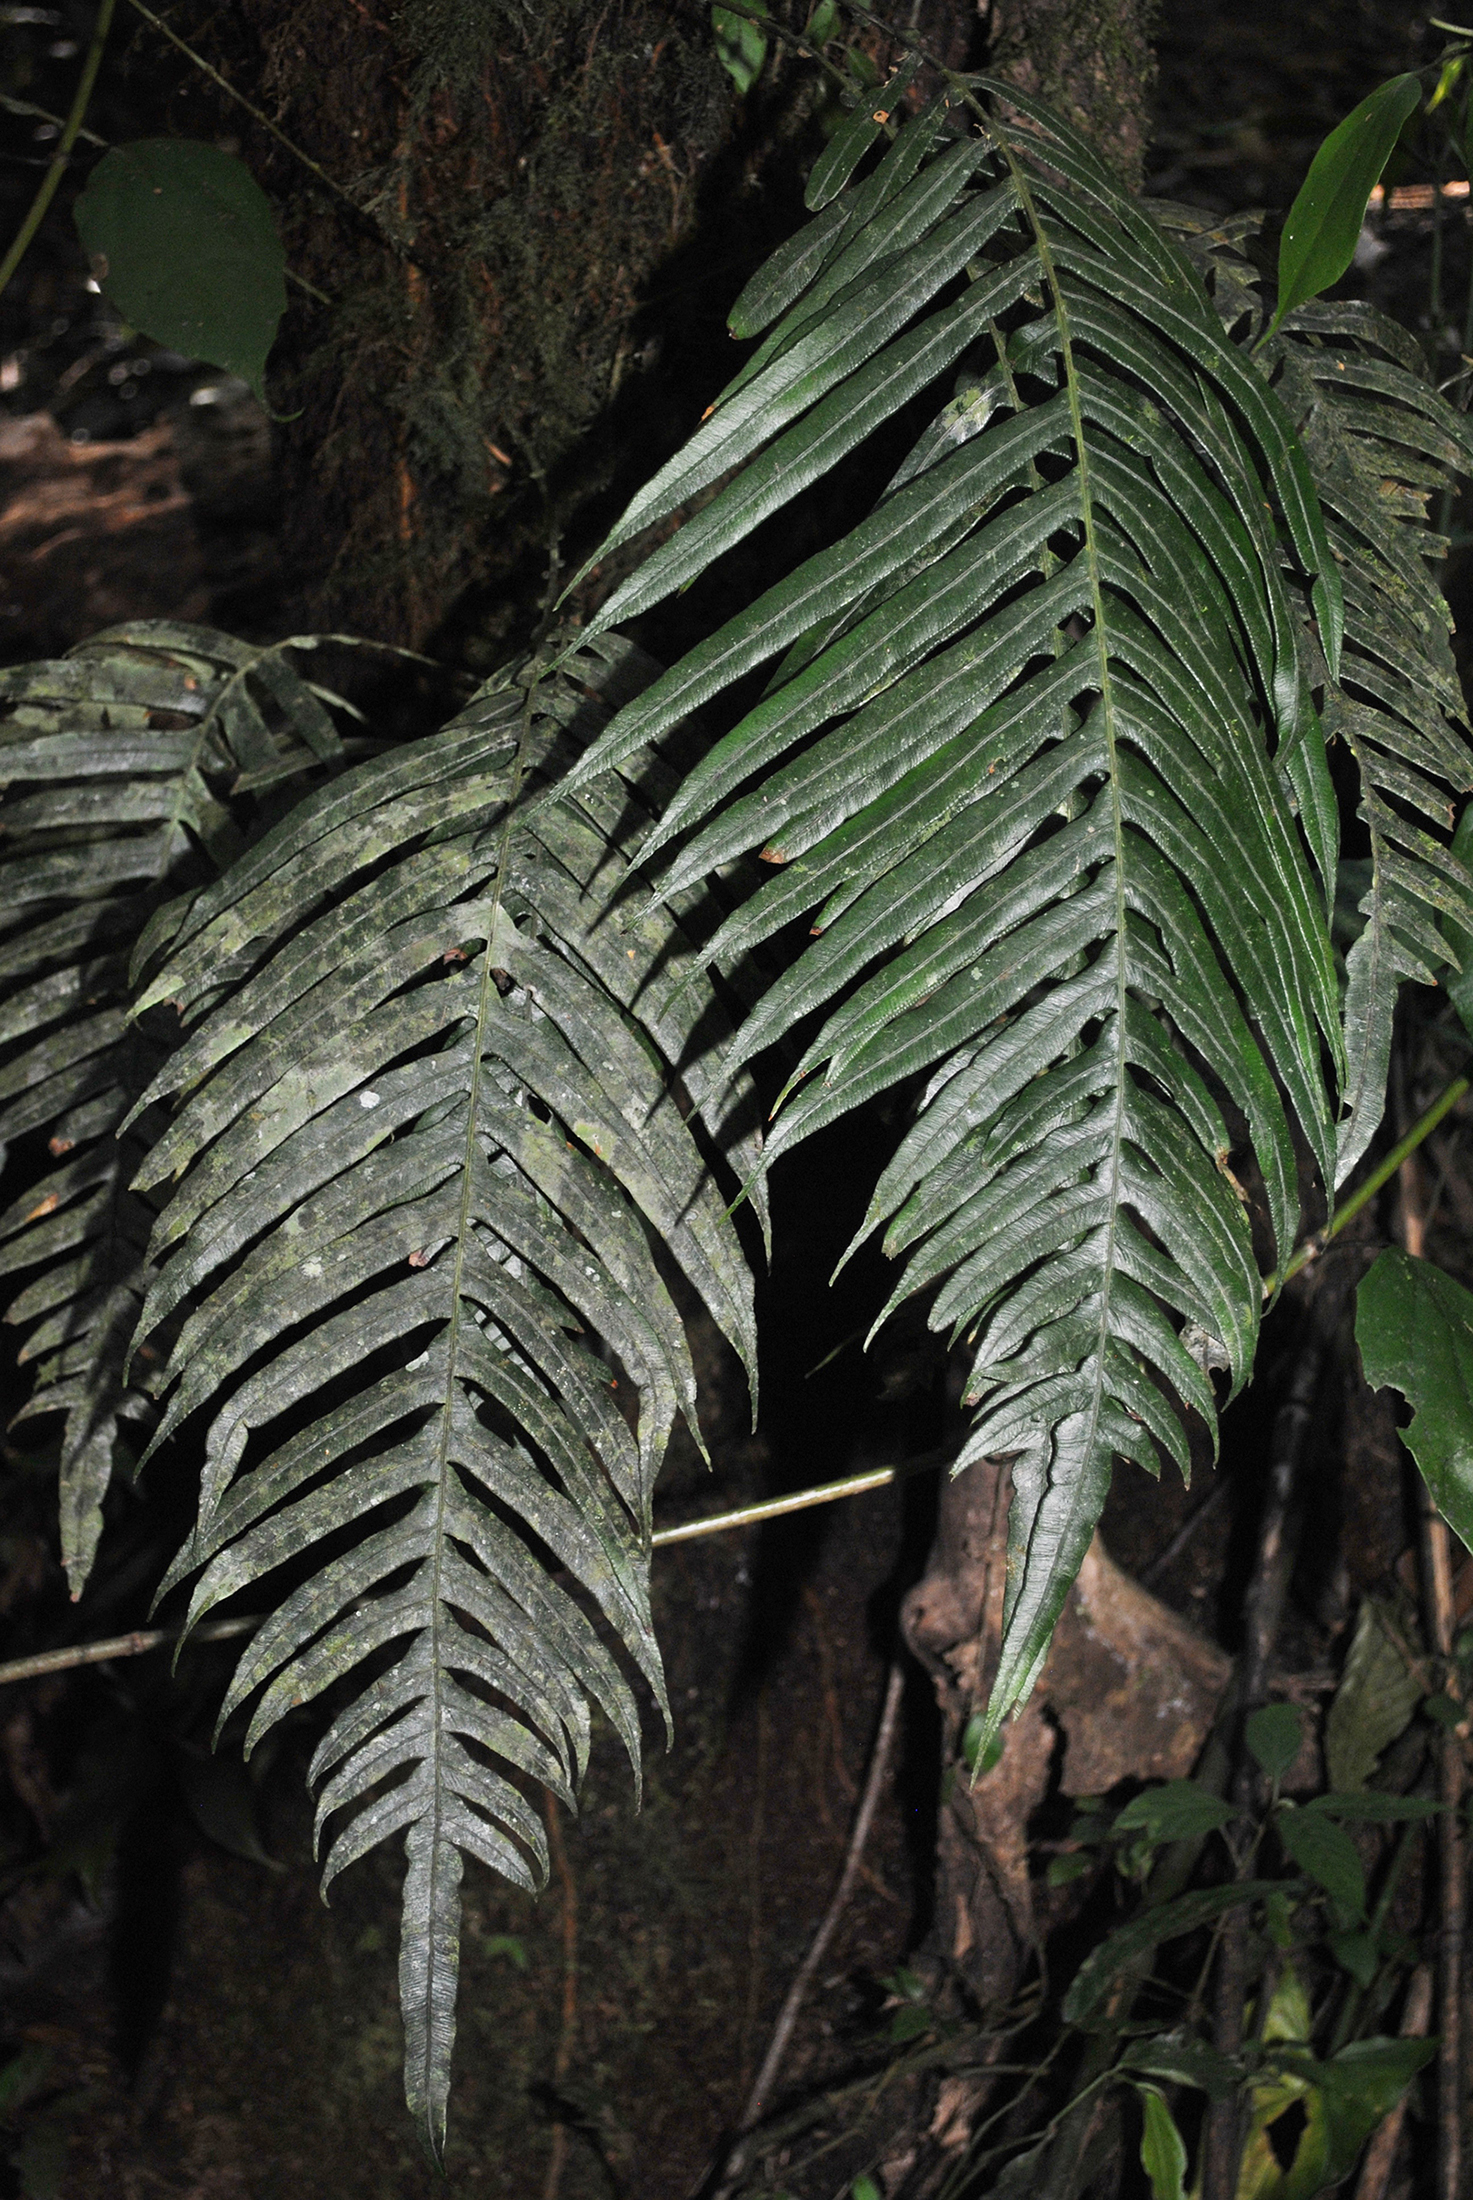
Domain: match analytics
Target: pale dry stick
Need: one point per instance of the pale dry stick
(1380, 2158)
(797, 1994)
(118, 1646)
(569, 2022)
(1440, 1620)
(1263, 1612)
(772, 1508)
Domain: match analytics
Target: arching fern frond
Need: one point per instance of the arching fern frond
(128, 771)
(438, 1106)
(1029, 763)
(1381, 441)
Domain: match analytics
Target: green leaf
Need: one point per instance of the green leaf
(1344, 2100)
(1163, 2151)
(1183, 2059)
(120, 786)
(1357, 1953)
(1414, 1326)
(1371, 1809)
(1133, 1943)
(854, 137)
(1322, 1848)
(1374, 1703)
(1274, 1735)
(1324, 222)
(184, 243)
(741, 45)
(1003, 783)
(1178, 1811)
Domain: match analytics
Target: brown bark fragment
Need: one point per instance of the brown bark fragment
(1129, 1692)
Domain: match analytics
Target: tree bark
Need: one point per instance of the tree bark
(1092, 60)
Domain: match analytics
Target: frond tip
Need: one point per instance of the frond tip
(431, 1129)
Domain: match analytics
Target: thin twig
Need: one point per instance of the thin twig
(151, 1638)
(797, 1994)
(1439, 1618)
(1380, 2158)
(1379, 1176)
(1263, 1612)
(562, 2060)
(1195, 1519)
(60, 160)
(820, 1493)
(119, 1646)
(1437, 1594)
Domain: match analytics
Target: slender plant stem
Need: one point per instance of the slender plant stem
(1262, 1615)
(1380, 2158)
(797, 1994)
(1439, 1622)
(568, 2027)
(52, 178)
(1379, 1176)
(773, 1508)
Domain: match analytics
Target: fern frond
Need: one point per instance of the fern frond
(1381, 441)
(1029, 763)
(433, 1121)
(123, 767)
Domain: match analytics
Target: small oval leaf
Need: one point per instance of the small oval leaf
(186, 247)
(1324, 222)
(1273, 1736)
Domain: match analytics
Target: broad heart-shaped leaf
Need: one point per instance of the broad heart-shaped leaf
(1324, 222)
(183, 241)
(1027, 771)
(445, 1082)
(122, 768)
(1414, 1326)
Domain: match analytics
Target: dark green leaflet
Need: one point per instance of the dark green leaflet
(122, 767)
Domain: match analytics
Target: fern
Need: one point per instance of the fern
(1040, 763)
(458, 1051)
(434, 1116)
(1381, 441)
(130, 770)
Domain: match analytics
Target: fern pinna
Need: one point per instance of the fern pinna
(1042, 764)
(133, 770)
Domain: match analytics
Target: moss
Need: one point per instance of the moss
(1093, 60)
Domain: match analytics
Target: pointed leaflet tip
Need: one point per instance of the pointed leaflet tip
(1324, 222)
